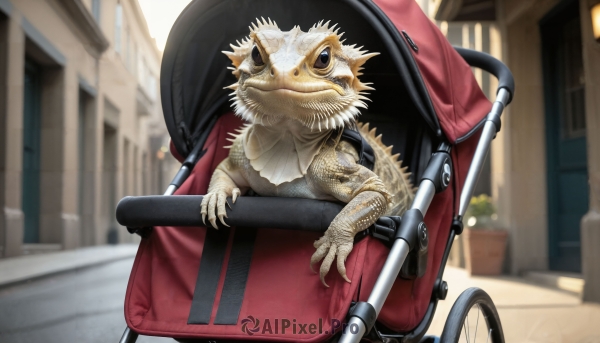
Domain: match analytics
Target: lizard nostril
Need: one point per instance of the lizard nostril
(296, 72)
(272, 72)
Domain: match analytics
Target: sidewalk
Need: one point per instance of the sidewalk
(18, 269)
(528, 312)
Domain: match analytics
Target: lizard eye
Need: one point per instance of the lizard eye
(323, 59)
(256, 57)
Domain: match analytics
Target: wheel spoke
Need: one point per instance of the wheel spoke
(473, 299)
(477, 323)
(469, 327)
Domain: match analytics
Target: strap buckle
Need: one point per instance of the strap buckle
(384, 229)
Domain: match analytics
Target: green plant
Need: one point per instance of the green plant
(481, 206)
(481, 212)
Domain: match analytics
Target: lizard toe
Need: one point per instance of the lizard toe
(221, 216)
(221, 211)
(235, 193)
(323, 240)
(326, 264)
(318, 255)
(204, 206)
(343, 253)
(212, 217)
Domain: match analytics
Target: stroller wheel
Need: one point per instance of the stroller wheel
(473, 319)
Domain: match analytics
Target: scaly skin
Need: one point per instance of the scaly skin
(298, 91)
(333, 175)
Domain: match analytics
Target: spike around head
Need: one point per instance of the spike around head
(310, 77)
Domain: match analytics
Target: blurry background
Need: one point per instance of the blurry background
(543, 172)
(82, 122)
(81, 127)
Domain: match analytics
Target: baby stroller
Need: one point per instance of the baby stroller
(252, 281)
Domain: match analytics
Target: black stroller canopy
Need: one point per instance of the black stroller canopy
(194, 70)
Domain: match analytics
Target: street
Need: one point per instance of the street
(81, 306)
(87, 306)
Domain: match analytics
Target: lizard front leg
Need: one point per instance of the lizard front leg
(357, 215)
(221, 186)
(337, 172)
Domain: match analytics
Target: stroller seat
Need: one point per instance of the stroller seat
(279, 287)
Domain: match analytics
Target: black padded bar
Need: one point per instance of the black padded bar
(490, 64)
(254, 212)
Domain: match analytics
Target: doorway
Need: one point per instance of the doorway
(564, 91)
(31, 152)
(109, 184)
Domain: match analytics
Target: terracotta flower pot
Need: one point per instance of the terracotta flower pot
(484, 251)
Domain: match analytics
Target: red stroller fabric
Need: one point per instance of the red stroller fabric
(280, 285)
(455, 95)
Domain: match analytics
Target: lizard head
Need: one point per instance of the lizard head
(310, 77)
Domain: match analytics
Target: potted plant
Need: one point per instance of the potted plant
(485, 245)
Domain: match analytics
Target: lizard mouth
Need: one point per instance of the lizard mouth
(292, 92)
(298, 88)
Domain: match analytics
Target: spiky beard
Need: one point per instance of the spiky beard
(312, 114)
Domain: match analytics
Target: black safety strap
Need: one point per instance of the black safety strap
(366, 155)
(209, 273)
(238, 268)
(236, 277)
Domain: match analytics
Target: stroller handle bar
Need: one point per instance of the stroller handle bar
(493, 66)
(184, 210)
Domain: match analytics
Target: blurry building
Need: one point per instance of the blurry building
(80, 121)
(546, 160)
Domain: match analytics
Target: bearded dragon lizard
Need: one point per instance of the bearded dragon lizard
(298, 91)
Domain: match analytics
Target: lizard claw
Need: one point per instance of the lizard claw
(326, 264)
(222, 220)
(204, 206)
(213, 206)
(328, 247)
(234, 194)
(342, 253)
(322, 246)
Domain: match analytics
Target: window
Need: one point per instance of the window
(118, 27)
(83, 99)
(140, 68)
(128, 50)
(152, 87)
(96, 10)
(135, 60)
(573, 79)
